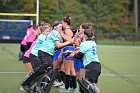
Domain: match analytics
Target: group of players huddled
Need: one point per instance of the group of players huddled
(55, 56)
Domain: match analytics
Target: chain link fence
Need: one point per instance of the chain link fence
(118, 39)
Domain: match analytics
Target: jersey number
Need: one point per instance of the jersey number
(94, 50)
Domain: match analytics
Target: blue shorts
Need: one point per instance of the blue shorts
(56, 54)
(71, 48)
(78, 64)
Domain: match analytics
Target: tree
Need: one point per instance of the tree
(112, 15)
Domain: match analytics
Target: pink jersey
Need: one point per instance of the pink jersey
(30, 34)
(23, 42)
(27, 53)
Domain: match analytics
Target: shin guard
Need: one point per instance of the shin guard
(87, 86)
(33, 78)
(48, 81)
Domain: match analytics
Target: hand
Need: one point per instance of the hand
(72, 41)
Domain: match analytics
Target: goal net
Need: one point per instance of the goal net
(13, 29)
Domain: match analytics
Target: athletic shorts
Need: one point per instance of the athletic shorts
(23, 48)
(28, 45)
(78, 64)
(71, 48)
(56, 54)
(35, 61)
(26, 59)
(46, 58)
(93, 71)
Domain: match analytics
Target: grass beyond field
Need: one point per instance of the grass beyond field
(120, 69)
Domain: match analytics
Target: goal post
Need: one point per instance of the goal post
(16, 14)
(25, 14)
(11, 29)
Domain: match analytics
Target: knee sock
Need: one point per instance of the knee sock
(74, 83)
(62, 74)
(67, 83)
(59, 77)
(71, 82)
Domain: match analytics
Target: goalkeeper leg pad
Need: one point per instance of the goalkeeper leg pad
(87, 86)
(48, 80)
(33, 78)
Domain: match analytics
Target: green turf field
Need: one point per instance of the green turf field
(120, 69)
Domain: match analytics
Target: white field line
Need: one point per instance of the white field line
(125, 75)
(108, 75)
(13, 72)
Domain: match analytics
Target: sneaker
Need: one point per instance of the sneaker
(56, 84)
(62, 87)
(21, 88)
(64, 90)
(25, 88)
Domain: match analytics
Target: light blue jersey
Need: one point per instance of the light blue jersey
(49, 43)
(38, 44)
(88, 48)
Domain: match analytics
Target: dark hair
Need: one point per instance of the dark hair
(56, 23)
(29, 26)
(67, 19)
(88, 29)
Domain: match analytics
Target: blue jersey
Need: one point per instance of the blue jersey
(49, 43)
(88, 48)
(38, 44)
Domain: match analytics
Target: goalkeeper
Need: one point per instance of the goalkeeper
(90, 59)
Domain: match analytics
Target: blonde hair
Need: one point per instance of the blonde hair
(45, 26)
(42, 28)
